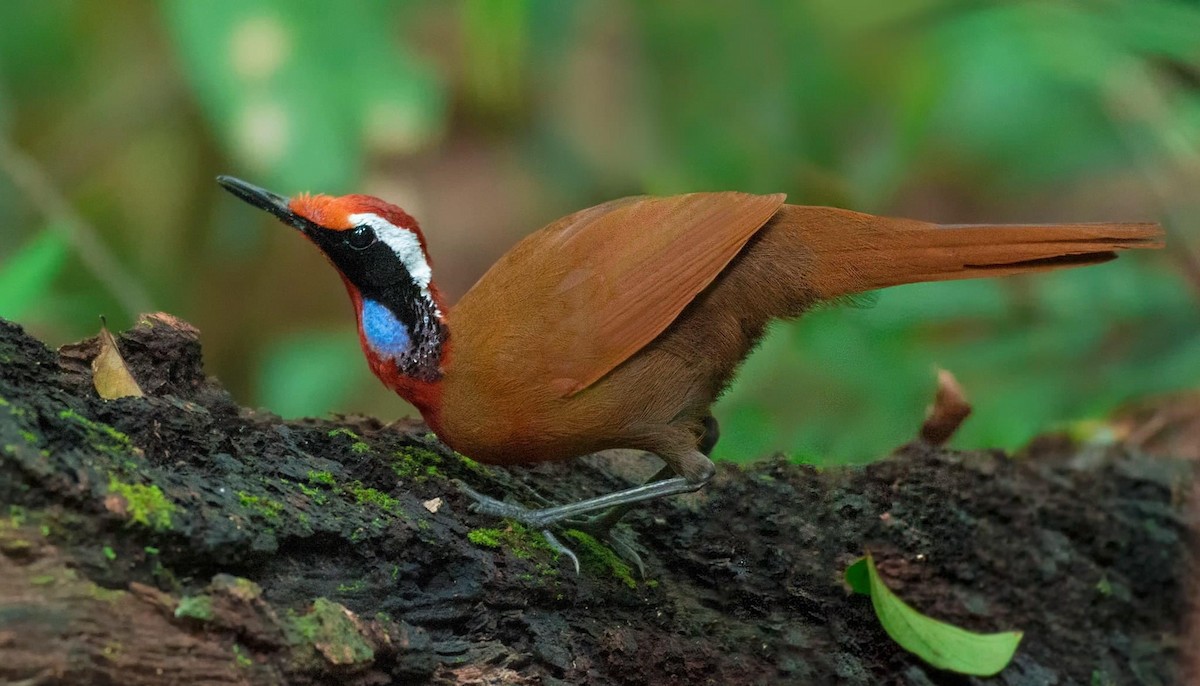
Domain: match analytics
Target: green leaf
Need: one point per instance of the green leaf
(858, 577)
(27, 275)
(942, 645)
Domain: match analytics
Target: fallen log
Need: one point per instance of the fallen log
(180, 538)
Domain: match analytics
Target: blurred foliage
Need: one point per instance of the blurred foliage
(29, 273)
(489, 118)
(302, 89)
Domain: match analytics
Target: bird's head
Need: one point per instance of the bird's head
(380, 253)
(372, 243)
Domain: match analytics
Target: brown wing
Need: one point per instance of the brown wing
(574, 300)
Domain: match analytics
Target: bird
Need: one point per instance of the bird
(618, 326)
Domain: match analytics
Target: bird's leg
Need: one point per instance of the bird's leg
(618, 502)
(712, 434)
(602, 524)
(550, 516)
(694, 468)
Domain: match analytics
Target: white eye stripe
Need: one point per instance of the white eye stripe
(405, 244)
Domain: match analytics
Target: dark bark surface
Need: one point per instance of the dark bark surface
(179, 538)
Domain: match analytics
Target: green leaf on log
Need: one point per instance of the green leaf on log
(942, 645)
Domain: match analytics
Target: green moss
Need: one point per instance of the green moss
(321, 477)
(43, 580)
(262, 505)
(240, 658)
(371, 496)
(488, 538)
(15, 547)
(150, 550)
(145, 505)
(357, 446)
(164, 577)
(472, 464)
(30, 437)
(246, 589)
(343, 431)
(423, 455)
(352, 587)
(106, 595)
(314, 494)
(103, 436)
(595, 556)
(331, 631)
(17, 515)
(109, 553)
(519, 541)
(431, 456)
(416, 463)
(14, 410)
(196, 607)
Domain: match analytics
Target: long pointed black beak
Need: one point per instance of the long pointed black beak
(264, 199)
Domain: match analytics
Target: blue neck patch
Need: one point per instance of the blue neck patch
(386, 334)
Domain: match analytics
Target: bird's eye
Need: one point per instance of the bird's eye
(361, 237)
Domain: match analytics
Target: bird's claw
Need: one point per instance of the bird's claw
(602, 527)
(597, 526)
(487, 505)
(553, 542)
(484, 504)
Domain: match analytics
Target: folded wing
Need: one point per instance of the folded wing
(591, 289)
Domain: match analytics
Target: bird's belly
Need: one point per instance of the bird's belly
(516, 444)
(534, 424)
(629, 408)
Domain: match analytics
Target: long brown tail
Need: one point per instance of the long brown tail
(854, 252)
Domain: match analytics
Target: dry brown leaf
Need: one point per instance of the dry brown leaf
(950, 408)
(110, 374)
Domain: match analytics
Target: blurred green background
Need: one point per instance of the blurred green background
(487, 119)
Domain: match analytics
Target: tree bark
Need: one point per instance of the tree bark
(179, 538)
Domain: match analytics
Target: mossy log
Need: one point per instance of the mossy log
(180, 538)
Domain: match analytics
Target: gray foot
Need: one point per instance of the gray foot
(598, 526)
